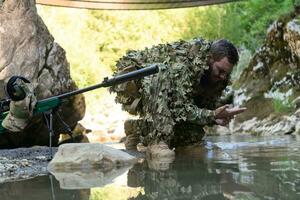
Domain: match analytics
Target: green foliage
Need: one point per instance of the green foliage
(94, 40)
(283, 106)
(243, 23)
(259, 16)
(119, 31)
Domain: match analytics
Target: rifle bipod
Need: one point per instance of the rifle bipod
(52, 186)
(48, 117)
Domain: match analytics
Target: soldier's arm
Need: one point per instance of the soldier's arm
(193, 114)
(201, 116)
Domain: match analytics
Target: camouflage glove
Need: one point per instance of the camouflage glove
(20, 111)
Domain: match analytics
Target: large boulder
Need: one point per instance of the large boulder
(270, 85)
(28, 49)
(89, 156)
(88, 165)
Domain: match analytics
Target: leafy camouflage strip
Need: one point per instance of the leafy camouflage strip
(168, 98)
(134, 128)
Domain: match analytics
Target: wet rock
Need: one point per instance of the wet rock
(269, 85)
(292, 35)
(296, 102)
(89, 156)
(26, 163)
(270, 126)
(29, 50)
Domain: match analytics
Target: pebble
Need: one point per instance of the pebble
(41, 158)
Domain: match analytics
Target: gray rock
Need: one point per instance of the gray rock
(269, 126)
(269, 85)
(87, 157)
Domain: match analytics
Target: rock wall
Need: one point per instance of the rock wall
(28, 49)
(270, 85)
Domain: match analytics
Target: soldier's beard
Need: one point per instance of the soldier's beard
(207, 78)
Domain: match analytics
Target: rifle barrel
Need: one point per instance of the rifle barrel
(140, 73)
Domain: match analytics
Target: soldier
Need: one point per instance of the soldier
(182, 98)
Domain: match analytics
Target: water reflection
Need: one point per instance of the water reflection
(224, 168)
(83, 179)
(234, 169)
(179, 182)
(44, 187)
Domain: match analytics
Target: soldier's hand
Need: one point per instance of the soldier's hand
(225, 112)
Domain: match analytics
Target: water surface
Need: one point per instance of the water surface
(227, 167)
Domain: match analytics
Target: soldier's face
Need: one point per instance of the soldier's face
(220, 70)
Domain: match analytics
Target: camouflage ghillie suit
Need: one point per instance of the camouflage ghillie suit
(176, 103)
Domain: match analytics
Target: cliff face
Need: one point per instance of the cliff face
(270, 86)
(27, 49)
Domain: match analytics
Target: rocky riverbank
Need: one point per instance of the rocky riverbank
(105, 120)
(269, 85)
(24, 163)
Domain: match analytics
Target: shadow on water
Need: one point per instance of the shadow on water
(224, 168)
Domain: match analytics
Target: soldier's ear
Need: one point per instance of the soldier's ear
(210, 59)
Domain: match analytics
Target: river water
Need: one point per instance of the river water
(225, 167)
